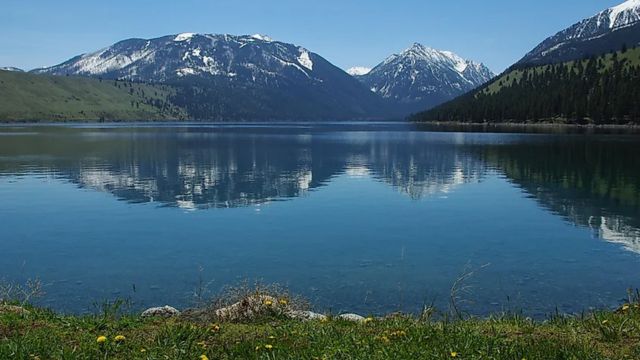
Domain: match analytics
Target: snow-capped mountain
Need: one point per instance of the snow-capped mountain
(358, 70)
(421, 77)
(187, 55)
(249, 76)
(610, 29)
(10, 68)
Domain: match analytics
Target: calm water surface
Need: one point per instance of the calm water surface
(357, 217)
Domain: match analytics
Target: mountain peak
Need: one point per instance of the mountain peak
(421, 77)
(608, 30)
(184, 36)
(624, 14)
(358, 70)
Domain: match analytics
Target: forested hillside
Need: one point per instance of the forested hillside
(597, 90)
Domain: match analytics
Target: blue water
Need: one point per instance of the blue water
(359, 217)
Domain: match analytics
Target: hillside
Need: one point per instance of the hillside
(27, 97)
(598, 90)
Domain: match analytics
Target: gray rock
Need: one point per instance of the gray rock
(306, 315)
(164, 311)
(351, 317)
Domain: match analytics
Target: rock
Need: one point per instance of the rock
(13, 309)
(249, 307)
(351, 317)
(306, 315)
(164, 311)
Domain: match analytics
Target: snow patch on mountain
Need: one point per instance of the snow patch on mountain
(624, 14)
(262, 37)
(304, 59)
(358, 70)
(184, 36)
(11, 68)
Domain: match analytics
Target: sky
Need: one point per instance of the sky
(37, 33)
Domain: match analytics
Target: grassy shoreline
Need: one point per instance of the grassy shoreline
(43, 334)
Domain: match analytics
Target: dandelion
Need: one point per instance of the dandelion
(268, 346)
(119, 338)
(283, 302)
(454, 354)
(203, 357)
(101, 339)
(268, 302)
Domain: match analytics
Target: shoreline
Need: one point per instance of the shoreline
(268, 333)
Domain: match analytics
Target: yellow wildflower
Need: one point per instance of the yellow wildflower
(120, 338)
(272, 337)
(368, 320)
(101, 339)
(268, 346)
(454, 354)
(268, 302)
(283, 301)
(203, 357)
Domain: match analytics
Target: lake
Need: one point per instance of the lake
(368, 218)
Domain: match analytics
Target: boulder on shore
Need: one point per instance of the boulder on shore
(163, 311)
(306, 315)
(351, 317)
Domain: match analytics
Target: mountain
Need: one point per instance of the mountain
(10, 68)
(609, 30)
(227, 77)
(358, 70)
(588, 73)
(598, 90)
(29, 97)
(421, 77)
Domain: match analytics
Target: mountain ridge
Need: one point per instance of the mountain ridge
(608, 30)
(422, 77)
(239, 77)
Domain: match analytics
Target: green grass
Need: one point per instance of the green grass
(45, 335)
(28, 97)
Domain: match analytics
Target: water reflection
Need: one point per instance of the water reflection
(195, 169)
(589, 181)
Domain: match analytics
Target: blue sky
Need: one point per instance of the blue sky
(347, 32)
